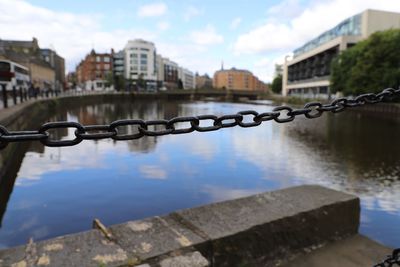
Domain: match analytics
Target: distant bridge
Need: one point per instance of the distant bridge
(208, 93)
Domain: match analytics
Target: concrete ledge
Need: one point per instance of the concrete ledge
(354, 251)
(253, 231)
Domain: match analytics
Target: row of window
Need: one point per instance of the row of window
(143, 67)
(103, 59)
(142, 56)
(350, 26)
(105, 66)
(141, 49)
(135, 62)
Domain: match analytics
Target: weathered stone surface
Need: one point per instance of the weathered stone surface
(13, 256)
(194, 259)
(230, 217)
(262, 227)
(153, 237)
(354, 251)
(84, 249)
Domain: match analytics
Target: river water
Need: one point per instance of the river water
(61, 190)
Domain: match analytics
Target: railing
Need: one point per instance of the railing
(16, 96)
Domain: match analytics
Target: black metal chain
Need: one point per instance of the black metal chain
(391, 260)
(279, 114)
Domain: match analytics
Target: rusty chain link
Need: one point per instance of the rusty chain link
(280, 114)
(391, 260)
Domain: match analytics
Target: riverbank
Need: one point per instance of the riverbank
(278, 227)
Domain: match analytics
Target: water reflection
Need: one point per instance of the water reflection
(119, 181)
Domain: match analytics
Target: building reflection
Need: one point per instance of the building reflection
(87, 114)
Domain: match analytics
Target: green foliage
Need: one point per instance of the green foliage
(369, 66)
(119, 82)
(277, 84)
(109, 78)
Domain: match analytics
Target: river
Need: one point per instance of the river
(59, 191)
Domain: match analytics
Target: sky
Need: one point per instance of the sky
(198, 35)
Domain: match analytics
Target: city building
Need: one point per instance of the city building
(187, 78)
(118, 63)
(203, 81)
(307, 74)
(58, 64)
(94, 72)
(160, 70)
(28, 53)
(171, 78)
(140, 64)
(236, 79)
(118, 70)
(71, 80)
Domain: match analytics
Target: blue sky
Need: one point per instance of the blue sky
(198, 35)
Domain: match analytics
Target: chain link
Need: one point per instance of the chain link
(391, 260)
(280, 114)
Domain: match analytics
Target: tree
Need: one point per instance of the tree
(119, 82)
(369, 66)
(109, 77)
(277, 84)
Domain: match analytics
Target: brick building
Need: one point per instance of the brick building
(236, 79)
(94, 72)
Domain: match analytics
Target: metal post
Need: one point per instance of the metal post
(21, 96)
(14, 92)
(4, 91)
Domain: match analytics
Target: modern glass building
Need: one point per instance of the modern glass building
(308, 73)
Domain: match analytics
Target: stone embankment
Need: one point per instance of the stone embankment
(298, 226)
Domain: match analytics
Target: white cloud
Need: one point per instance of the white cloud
(206, 36)
(71, 35)
(286, 9)
(218, 193)
(265, 67)
(191, 12)
(235, 23)
(153, 172)
(163, 25)
(152, 10)
(275, 35)
(290, 25)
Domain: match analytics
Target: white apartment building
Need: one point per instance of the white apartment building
(140, 61)
(308, 73)
(187, 77)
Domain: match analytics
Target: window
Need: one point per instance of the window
(143, 67)
(98, 59)
(143, 61)
(106, 59)
(106, 66)
(144, 49)
(133, 55)
(143, 56)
